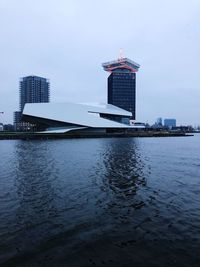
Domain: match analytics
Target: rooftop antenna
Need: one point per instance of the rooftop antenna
(121, 54)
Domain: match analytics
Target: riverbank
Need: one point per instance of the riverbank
(27, 136)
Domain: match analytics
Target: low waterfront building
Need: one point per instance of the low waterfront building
(68, 117)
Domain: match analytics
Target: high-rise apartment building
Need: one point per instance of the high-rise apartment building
(32, 89)
(122, 83)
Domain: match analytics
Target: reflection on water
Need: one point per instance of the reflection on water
(124, 167)
(95, 201)
(36, 196)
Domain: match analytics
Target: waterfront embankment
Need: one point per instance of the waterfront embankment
(28, 135)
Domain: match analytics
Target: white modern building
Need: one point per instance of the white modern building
(68, 117)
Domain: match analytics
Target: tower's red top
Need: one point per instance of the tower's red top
(121, 63)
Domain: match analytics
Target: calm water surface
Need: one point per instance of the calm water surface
(100, 202)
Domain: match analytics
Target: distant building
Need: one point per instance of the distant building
(137, 123)
(8, 127)
(33, 89)
(1, 127)
(159, 121)
(170, 123)
(122, 83)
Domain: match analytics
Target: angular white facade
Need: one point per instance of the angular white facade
(65, 117)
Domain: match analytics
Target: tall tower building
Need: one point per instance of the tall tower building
(122, 83)
(33, 89)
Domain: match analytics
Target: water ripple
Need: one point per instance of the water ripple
(63, 197)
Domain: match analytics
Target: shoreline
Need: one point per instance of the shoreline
(42, 136)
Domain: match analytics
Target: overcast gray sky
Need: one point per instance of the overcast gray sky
(67, 40)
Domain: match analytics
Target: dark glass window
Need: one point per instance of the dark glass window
(121, 90)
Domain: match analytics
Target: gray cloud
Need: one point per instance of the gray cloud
(67, 40)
